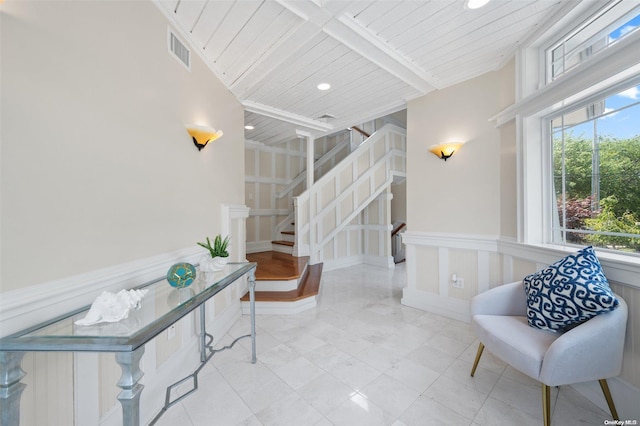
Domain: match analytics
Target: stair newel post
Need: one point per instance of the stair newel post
(312, 198)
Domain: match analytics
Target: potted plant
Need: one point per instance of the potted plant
(218, 254)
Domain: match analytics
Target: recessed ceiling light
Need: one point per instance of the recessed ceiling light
(324, 86)
(248, 127)
(475, 4)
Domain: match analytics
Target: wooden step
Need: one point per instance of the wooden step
(309, 287)
(288, 232)
(283, 246)
(283, 243)
(273, 265)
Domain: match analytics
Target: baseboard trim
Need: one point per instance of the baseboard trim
(258, 246)
(281, 308)
(345, 262)
(446, 306)
(342, 262)
(381, 261)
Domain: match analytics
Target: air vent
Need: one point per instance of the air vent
(179, 50)
(326, 117)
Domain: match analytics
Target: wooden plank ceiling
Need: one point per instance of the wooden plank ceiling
(376, 55)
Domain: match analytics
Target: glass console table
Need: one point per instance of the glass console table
(126, 338)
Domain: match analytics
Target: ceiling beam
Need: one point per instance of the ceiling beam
(286, 116)
(349, 32)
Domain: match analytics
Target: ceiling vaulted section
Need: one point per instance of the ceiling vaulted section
(376, 55)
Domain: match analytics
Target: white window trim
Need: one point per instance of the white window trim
(584, 80)
(602, 71)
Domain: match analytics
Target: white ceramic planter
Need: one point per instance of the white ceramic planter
(213, 264)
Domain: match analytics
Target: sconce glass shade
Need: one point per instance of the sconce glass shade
(202, 135)
(445, 150)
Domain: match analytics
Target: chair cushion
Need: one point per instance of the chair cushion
(512, 340)
(568, 292)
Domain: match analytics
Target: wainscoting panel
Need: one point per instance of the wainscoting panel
(109, 373)
(48, 373)
(502, 261)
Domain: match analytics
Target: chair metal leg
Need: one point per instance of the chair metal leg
(607, 396)
(478, 355)
(546, 404)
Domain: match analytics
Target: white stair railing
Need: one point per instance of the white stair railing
(330, 158)
(335, 199)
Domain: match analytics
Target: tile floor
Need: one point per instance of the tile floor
(361, 358)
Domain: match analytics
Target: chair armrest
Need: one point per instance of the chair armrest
(509, 299)
(591, 351)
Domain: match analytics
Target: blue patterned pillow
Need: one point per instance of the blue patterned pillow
(568, 292)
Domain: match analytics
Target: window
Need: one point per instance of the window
(596, 173)
(611, 24)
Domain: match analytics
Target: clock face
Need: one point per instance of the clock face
(181, 275)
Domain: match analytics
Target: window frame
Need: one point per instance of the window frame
(547, 142)
(537, 101)
(625, 11)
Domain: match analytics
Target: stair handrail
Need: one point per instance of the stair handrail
(398, 229)
(306, 243)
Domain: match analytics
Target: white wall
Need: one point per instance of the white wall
(97, 167)
(99, 174)
(459, 195)
(399, 202)
(457, 198)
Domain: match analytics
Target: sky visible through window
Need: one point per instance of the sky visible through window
(622, 115)
(625, 28)
(620, 118)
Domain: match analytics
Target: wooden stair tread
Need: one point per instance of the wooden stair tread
(276, 266)
(309, 287)
(288, 232)
(283, 243)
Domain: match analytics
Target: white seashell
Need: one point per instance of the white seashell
(109, 307)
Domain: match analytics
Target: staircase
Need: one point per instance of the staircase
(285, 243)
(288, 278)
(335, 199)
(285, 230)
(284, 284)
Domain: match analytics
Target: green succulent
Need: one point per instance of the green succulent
(219, 248)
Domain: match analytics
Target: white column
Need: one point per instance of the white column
(310, 155)
(310, 179)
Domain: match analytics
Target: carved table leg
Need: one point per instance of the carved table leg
(129, 397)
(10, 387)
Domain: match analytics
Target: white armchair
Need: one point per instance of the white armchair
(589, 351)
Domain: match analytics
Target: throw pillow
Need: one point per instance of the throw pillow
(568, 292)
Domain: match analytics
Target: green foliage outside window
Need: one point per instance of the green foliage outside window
(618, 208)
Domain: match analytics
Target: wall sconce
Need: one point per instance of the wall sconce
(202, 135)
(445, 150)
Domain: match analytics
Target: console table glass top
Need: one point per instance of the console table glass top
(161, 307)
